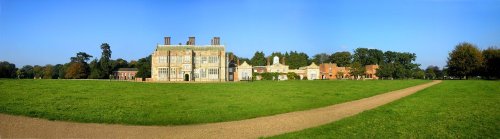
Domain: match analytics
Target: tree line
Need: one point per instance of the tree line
(78, 67)
(464, 62)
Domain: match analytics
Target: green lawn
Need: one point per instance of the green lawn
(452, 109)
(177, 104)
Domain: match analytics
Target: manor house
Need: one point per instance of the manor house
(189, 62)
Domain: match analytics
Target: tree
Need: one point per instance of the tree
(386, 71)
(433, 72)
(120, 63)
(95, 70)
(492, 63)
(341, 58)
(48, 70)
(418, 74)
(465, 61)
(27, 72)
(357, 70)
(7, 70)
(361, 56)
(259, 59)
(77, 70)
(321, 58)
(37, 71)
(57, 69)
(296, 60)
(81, 57)
(375, 56)
(144, 67)
(78, 67)
(104, 62)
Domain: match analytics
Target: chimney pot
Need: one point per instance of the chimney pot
(167, 40)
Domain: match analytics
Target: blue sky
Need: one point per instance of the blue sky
(50, 32)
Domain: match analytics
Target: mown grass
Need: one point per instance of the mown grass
(452, 109)
(177, 104)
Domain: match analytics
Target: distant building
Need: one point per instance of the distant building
(189, 62)
(244, 72)
(331, 71)
(125, 73)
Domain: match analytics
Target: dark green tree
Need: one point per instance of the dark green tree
(259, 59)
(321, 58)
(7, 70)
(492, 63)
(144, 67)
(104, 62)
(342, 59)
(95, 70)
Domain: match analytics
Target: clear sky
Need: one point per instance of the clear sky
(50, 32)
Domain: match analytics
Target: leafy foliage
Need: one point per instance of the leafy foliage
(465, 60)
(342, 59)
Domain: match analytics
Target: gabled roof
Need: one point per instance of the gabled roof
(245, 64)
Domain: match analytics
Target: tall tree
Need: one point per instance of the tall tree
(57, 69)
(492, 62)
(361, 56)
(342, 59)
(321, 58)
(7, 70)
(95, 70)
(48, 70)
(259, 59)
(105, 60)
(144, 67)
(375, 56)
(465, 61)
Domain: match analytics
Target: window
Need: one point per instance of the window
(204, 60)
(197, 60)
(187, 59)
(173, 59)
(213, 73)
(173, 72)
(162, 59)
(213, 59)
(196, 73)
(162, 73)
(203, 73)
(179, 59)
(186, 66)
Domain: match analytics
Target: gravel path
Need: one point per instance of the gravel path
(25, 127)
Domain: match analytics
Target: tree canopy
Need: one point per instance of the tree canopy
(464, 61)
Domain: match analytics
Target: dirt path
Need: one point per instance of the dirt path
(23, 127)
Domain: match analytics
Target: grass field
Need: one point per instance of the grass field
(452, 109)
(177, 104)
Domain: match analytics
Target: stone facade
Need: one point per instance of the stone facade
(189, 62)
(244, 72)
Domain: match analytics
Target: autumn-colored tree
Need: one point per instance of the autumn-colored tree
(465, 61)
(48, 70)
(76, 70)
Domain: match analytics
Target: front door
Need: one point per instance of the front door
(186, 77)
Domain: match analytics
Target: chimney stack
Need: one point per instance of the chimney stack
(191, 41)
(268, 61)
(167, 40)
(216, 41)
(283, 60)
